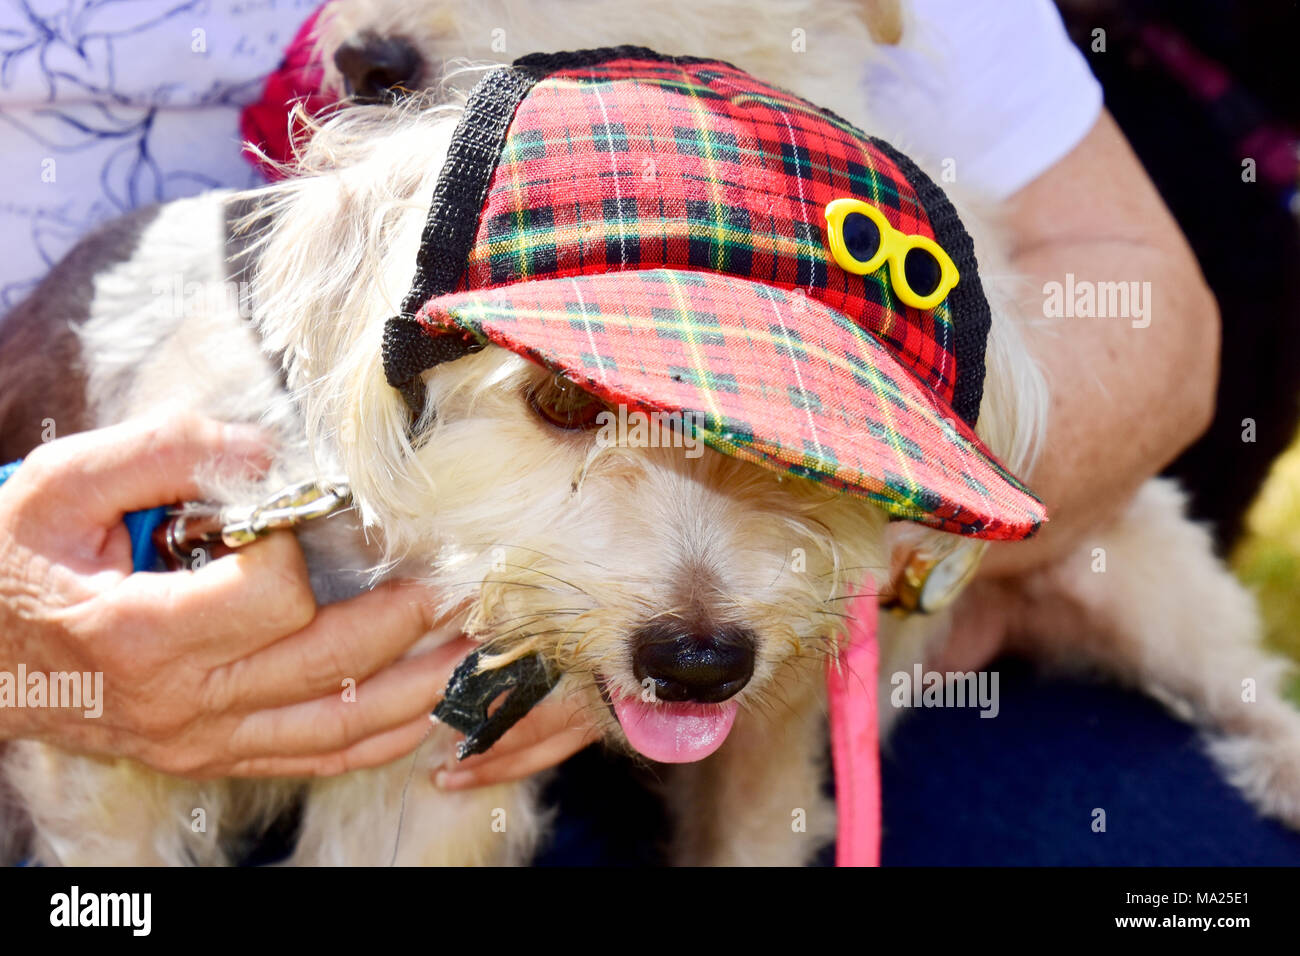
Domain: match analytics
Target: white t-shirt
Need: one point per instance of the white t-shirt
(105, 107)
(994, 87)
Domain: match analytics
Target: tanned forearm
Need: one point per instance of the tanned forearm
(1126, 396)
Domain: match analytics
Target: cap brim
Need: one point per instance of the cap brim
(770, 376)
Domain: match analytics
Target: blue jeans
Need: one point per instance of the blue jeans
(1021, 789)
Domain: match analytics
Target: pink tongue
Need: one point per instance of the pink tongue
(675, 733)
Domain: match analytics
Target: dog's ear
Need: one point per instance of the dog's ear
(335, 253)
(337, 242)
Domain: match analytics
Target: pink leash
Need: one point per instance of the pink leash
(851, 687)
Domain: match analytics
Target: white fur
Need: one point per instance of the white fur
(515, 522)
(813, 48)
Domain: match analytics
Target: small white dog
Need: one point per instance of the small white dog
(477, 475)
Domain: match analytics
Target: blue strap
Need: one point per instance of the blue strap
(140, 525)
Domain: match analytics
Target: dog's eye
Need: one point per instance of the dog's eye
(564, 405)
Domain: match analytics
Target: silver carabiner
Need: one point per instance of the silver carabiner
(305, 501)
(185, 537)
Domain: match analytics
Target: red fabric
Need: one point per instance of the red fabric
(851, 682)
(636, 164)
(770, 377)
(655, 229)
(265, 123)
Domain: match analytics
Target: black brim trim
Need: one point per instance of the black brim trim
(452, 223)
(459, 196)
(409, 349)
(472, 159)
(971, 316)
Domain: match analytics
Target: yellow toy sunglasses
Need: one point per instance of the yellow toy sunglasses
(861, 240)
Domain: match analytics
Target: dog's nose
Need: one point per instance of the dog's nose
(375, 66)
(693, 664)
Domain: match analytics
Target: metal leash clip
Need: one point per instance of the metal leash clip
(928, 583)
(184, 538)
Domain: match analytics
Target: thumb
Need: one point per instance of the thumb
(146, 462)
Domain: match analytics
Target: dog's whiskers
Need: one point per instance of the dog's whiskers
(524, 567)
(529, 619)
(856, 567)
(841, 615)
(410, 775)
(504, 582)
(520, 547)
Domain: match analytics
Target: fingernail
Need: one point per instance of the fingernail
(452, 780)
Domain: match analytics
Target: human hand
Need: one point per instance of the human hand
(229, 669)
(551, 733)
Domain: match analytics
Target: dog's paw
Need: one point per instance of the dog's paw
(1266, 770)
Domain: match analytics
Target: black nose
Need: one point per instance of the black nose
(705, 665)
(376, 66)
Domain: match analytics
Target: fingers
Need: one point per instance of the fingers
(353, 639)
(551, 752)
(396, 695)
(374, 751)
(552, 733)
(230, 607)
(144, 462)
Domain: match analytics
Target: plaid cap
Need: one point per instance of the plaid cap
(653, 228)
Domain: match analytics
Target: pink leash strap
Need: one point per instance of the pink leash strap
(855, 751)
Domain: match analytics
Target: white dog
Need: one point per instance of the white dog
(516, 520)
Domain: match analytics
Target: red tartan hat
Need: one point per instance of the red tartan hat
(657, 230)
